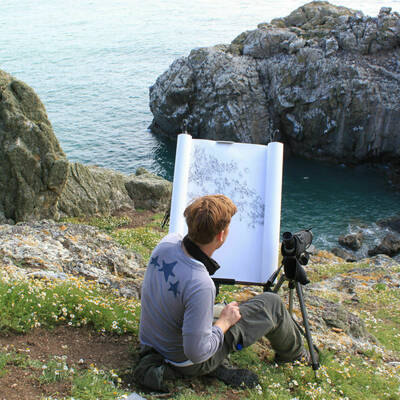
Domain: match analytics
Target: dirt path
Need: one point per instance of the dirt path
(81, 347)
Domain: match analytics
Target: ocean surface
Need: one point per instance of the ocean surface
(92, 62)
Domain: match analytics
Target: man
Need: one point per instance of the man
(178, 297)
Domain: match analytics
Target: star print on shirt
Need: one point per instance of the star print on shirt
(173, 287)
(154, 261)
(167, 269)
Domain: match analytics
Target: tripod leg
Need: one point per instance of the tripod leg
(291, 287)
(315, 363)
(279, 283)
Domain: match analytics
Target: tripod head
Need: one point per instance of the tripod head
(294, 251)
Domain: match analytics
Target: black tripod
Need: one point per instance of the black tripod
(294, 256)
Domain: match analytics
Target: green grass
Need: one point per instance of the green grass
(95, 384)
(141, 240)
(31, 303)
(380, 310)
(108, 224)
(320, 272)
(87, 384)
(55, 370)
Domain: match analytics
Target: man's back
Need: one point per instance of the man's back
(177, 305)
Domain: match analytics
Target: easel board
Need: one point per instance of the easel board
(250, 175)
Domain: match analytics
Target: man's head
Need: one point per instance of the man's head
(208, 216)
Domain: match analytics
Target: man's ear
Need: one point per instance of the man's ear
(221, 236)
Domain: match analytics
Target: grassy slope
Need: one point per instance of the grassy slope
(24, 305)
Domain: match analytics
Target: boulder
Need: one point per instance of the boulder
(332, 315)
(325, 81)
(32, 164)
(93, 190)
(149, 191)
(392, 223)
(352, 241)
(339, 252)
(390, 245)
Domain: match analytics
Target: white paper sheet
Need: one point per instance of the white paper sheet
(179, 188)
(251, 175)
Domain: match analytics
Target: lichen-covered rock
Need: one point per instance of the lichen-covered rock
(52, 250)
(150, 192)
(333, 315)
(327, 302)
(325, 80)
(93, 190)
(33, 167)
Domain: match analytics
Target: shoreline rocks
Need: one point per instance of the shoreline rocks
(325, 80)
(382, 238)
(352, 241)
(390, 245)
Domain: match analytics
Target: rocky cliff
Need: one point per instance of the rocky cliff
(36, 179)
(33, 167)
(325, 80)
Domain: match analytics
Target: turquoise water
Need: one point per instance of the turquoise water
(92, 62)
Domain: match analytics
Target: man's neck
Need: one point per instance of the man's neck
(208, 249)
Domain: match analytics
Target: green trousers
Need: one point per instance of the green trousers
(263, 315)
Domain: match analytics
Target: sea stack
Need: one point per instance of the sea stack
(324, 80)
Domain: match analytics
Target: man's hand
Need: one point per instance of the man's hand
(229, 316)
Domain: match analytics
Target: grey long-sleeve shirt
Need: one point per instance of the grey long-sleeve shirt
(177, 305)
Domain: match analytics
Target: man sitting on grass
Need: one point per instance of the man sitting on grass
(178, 294)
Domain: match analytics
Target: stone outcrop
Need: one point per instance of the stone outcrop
(33, 167)
(325, 80)
(347, 289)
(52, 250)
(93, 190)
(150, 191)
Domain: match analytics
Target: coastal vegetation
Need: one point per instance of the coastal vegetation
(30, 307)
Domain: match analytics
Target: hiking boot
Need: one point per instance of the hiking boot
(235, 377)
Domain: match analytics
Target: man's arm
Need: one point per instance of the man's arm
(201, 340)
(229, 316)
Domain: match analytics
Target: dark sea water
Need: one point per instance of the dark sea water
(92, 62)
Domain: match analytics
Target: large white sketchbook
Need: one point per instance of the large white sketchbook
(250, 175)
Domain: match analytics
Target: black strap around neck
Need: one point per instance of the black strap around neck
(199, 255)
